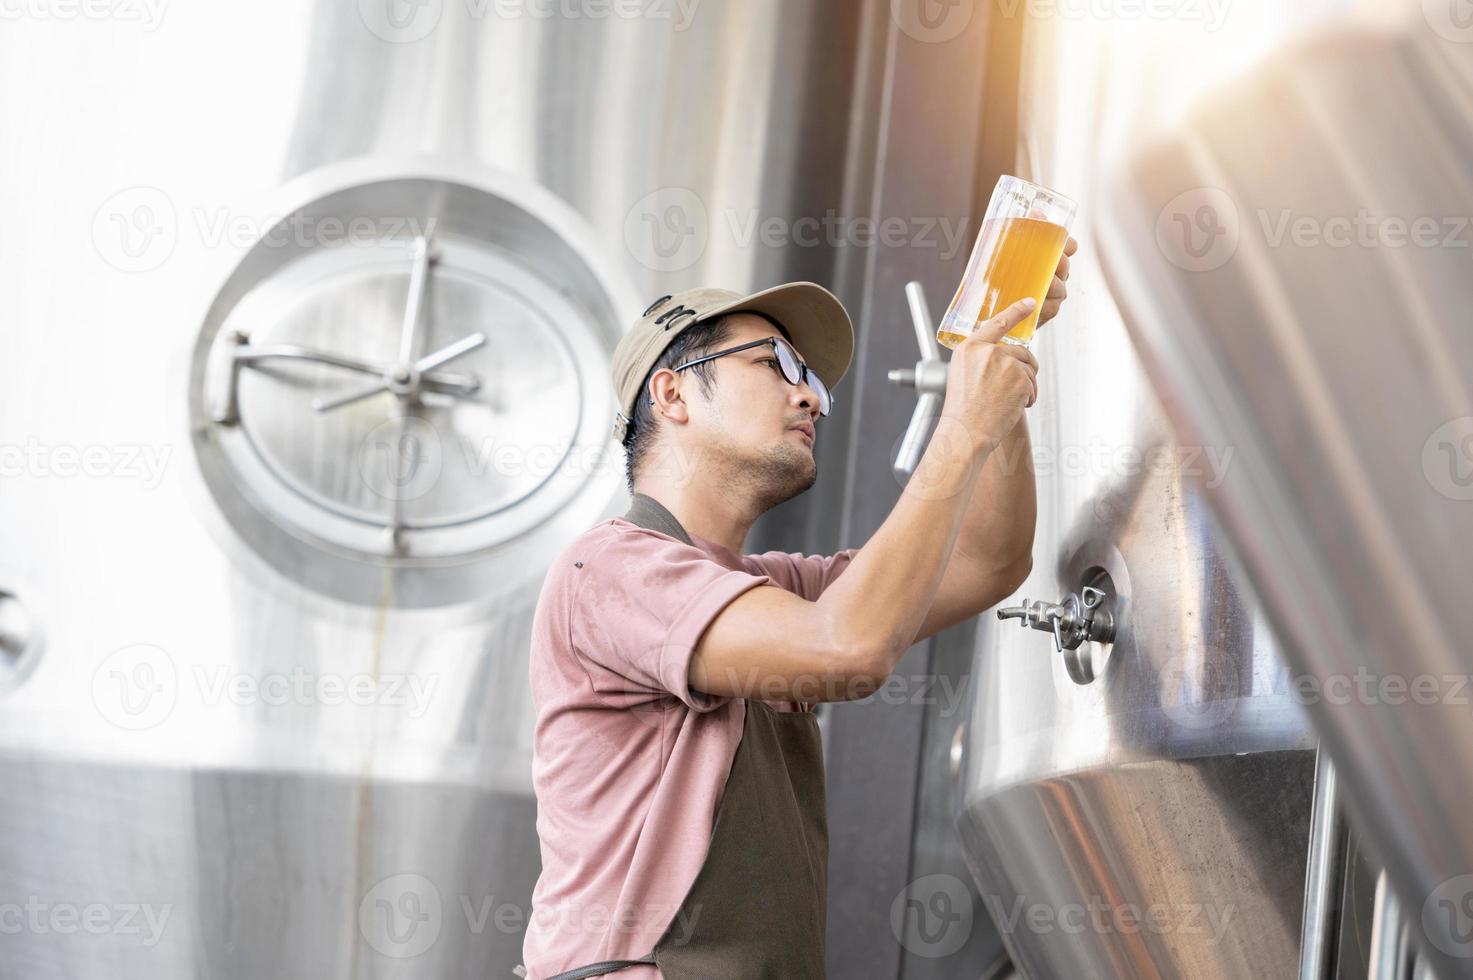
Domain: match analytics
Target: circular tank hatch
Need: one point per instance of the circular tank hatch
(416, 395)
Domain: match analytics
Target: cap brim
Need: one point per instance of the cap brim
(813, 317)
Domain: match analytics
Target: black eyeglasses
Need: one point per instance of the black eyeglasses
(793, 370)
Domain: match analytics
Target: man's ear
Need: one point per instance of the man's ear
(665, 390)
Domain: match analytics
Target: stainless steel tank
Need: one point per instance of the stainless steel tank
(1142, 807)
(1151, 820)
(1136, 805)
(308, 316)
(1314, 314)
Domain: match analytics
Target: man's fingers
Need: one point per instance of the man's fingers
(995, 329)
(1050, 310)
(1021, 353)
(1057, 289)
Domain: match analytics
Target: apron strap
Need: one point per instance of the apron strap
(607, 966)
(649, 513)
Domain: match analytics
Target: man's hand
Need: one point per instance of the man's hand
(1057, 291)
(989, 383)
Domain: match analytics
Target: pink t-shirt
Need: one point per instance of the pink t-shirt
(626, 799)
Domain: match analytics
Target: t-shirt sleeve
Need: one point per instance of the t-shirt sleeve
(805, 575)
(642, 604)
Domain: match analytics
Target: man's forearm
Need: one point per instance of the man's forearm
(998, 525)
(884, 594)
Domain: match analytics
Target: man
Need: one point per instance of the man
(677, 761)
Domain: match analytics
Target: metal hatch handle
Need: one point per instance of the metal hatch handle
(928, 378)
(405, 378)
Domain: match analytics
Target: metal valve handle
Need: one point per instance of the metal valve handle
(1078, 618)
(1081, 616)
(928, 378)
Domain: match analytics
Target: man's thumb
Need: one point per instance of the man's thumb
(995, 329)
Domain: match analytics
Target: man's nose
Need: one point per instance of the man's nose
(805, 396)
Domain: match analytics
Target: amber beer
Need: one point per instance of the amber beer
(1017, 251)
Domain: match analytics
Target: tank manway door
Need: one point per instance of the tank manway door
(407, 371)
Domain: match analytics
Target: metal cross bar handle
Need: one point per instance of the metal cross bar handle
(244, 354)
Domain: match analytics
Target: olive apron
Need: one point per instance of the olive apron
(758, 906)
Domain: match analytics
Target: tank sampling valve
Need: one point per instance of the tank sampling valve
(1080, 617)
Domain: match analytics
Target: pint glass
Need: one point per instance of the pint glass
(1017, 250)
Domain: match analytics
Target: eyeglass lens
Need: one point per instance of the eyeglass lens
(794, 371)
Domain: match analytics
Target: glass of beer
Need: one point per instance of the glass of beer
(1017, 250)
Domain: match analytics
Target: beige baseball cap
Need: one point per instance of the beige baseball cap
(812, 316)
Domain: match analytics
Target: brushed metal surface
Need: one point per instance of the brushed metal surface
(1296, 328)
(293, 783)
(1152, 822)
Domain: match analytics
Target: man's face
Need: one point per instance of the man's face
(746, 429)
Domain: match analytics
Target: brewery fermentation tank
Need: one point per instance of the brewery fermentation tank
(264, 630)
(1257, 451)
(1138, 807)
